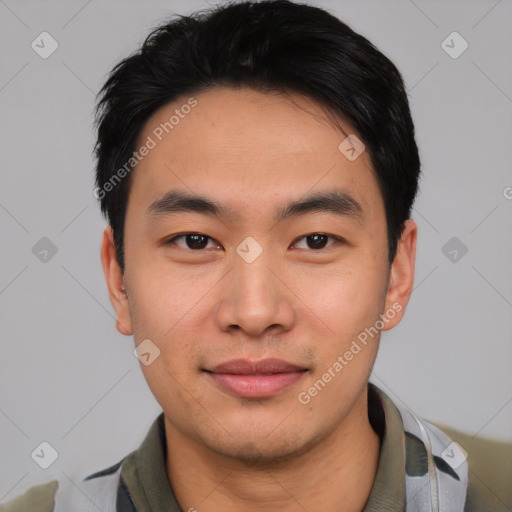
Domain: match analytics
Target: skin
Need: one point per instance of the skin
(254, 152)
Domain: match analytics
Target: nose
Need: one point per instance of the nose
(256, 297)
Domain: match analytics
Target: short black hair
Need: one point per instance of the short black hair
(272, 45)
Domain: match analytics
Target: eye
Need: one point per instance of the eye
(193, 241)
(199, 241)
(318, 241)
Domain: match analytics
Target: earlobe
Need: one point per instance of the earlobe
(121, 328)
(401, 275)
(115, 285)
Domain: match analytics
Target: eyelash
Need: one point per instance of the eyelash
(332, 237)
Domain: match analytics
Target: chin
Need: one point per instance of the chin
(262, 452)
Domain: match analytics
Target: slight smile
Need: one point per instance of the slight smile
(260, 379)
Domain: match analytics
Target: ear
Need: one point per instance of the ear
(114, 279)
(401, 276)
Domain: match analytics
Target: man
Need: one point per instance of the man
(257, 167)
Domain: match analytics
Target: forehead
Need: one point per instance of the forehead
(243, 144)
(246, 121)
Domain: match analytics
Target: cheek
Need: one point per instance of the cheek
(168, 315)
(172, 390)
(349, 308)
(346, 301)
(165, 300)
(172, 376)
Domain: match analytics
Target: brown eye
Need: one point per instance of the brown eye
(193, 241)
(317, 241)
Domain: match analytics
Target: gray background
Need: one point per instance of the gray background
(67, 377)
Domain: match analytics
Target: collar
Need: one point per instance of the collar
(388, 491)
(145, 476)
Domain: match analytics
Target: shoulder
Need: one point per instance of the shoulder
(490, 471)
(40, 498)
(59, 495)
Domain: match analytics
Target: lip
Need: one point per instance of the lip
(255, 379)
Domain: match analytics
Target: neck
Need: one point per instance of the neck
(336, 474)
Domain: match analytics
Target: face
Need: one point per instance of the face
(256, 265)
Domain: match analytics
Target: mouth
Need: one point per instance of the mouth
(256, 380)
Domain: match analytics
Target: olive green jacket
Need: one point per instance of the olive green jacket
(139, 482)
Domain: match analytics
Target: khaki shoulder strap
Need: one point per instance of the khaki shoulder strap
(99, 493)
(40, 498)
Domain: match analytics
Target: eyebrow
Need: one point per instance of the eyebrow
(334, 201)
